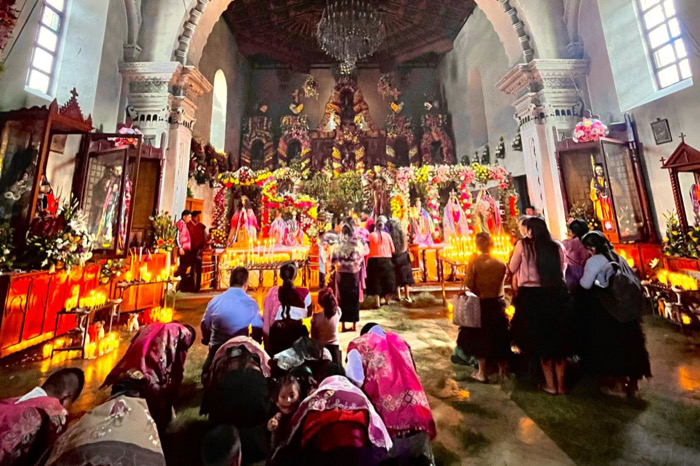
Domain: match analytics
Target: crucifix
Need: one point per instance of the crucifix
(683, 136)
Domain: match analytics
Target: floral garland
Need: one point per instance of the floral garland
(434, 177)
(219, 233)
(388, 87)
(271, 199)
(63, 240)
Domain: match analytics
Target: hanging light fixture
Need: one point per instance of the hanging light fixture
(349, 31)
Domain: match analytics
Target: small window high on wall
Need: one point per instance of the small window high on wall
(664, 38)
(43, 67)
(217, 133)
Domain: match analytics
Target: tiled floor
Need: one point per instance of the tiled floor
(509, 424)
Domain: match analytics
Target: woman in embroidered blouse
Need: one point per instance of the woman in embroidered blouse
(348, 257)
(539, 325)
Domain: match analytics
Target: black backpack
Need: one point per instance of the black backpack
(623, 298)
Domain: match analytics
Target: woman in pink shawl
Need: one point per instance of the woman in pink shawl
(244, 224)
(335, 425)
(30, 424)
(159, 352)
(382, 364)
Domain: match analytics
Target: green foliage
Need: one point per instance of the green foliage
(347, 194)
(7, 248)
(584, 212)
(678, 242)
(162, 232)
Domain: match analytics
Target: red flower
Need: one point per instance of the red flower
(160, 242)
(170, 241)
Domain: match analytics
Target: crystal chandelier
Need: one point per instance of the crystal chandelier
(349, 31)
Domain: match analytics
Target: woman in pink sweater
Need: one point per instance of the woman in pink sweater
(540, 326)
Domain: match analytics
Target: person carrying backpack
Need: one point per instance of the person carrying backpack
(615, 348)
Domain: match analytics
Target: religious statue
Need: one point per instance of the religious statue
(111, 184)
(454, 222)
(487, 218)
(47, 204)
(278, 230)
(295, 235)
(333, 122)
(244, 224)
(600, 196)
(695, 199)
(422, 225)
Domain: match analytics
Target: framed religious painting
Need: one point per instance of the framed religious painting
(662, 131)
(602, 181)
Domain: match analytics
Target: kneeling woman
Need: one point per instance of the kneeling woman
(119, 431)
(284, 309)
(336, 425)
(615, 347)
(159, 352)
(236, 393)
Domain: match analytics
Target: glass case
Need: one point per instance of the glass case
(29, 139)
(684, 168)
(604, 179)
(105, 184)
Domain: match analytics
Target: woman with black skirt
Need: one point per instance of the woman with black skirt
(485, 278)
(615, 349)
(348, 257)
(403, 268)
(381, 280)
(540, 325)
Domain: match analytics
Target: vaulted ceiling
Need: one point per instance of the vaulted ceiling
(284, 31)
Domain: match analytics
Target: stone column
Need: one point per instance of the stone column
(187, 86)
(548, 103)
(162, 102)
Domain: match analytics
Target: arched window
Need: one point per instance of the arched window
(43, 67)
(664, 38)
(217, 135)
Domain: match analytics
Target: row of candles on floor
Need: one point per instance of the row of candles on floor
(108, 343)
(460, 249)
(677, 280)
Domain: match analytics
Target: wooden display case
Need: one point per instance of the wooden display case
(626, 193)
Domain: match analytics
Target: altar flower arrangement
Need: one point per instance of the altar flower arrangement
(163, 232)
(60, 241)
(111, 268)
(589, 129)
(218, 238)
(7, 248)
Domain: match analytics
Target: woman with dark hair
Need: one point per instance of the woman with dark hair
(381, 281)
(576, 254)
(284, 309)
(540, 323)
(403, 269)
(324, 324)
(485, 278)
(348, 257)
(615, 348)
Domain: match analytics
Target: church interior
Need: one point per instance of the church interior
(277, 123)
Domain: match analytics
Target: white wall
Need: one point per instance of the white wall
(108, 99)
(221, 52)
(681, 108)
(468, 75)
(88, 60)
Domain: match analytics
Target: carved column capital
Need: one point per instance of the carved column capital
(546, 90)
